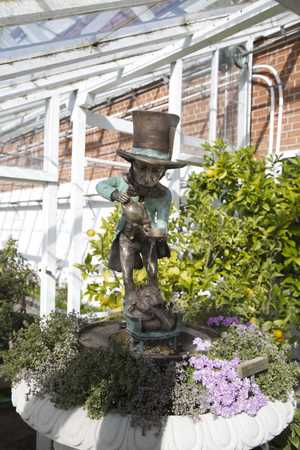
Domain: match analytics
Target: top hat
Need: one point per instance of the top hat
(153, 137)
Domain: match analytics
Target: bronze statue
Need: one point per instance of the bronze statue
(141, 235)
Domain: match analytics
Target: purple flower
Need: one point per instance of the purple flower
(228, 394)
(217, 321)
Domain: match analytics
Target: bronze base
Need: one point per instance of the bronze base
(137, 330)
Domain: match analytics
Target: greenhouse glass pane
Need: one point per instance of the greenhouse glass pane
(24, 152)
(22, 140)
(21, 216)
(196, 88)
(228, 98)
(110, 23)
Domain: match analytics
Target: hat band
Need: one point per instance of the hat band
(150, 153)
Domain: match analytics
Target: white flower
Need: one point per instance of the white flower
(202, 345)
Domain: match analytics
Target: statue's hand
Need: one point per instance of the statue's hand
(147, 229)
(157, 233)
(121, 197)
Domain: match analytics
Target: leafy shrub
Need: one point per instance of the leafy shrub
(241, 239)
(17, 281)
(103, 285)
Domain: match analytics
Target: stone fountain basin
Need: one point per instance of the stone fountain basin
(73, 429)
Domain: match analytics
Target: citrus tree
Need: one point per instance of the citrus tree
(234, 244)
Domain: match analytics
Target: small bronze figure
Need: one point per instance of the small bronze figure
(141, 235)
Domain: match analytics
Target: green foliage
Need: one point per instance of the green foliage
(237, 240)
(61, 301)
(17, 281)
(246, 343)
(235, 244)
(103, 285)
(41, 347)
(289, 439)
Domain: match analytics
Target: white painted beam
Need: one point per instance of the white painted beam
(102, 41)
(21, 62)
(244, 100)
(16, 12)
(106, 163)
(192, 160)
(25, 174)
(175, 107)
(76, 206)
(244, 18)
(196, 5)
(31, 70)
(20, 109)
(49, 211)
(108, 123)
(71, 86)
(213, 104)
(81, 43)
(56, 81)
(192, 141)
(93, 46)
(23, 126)
(31, 102)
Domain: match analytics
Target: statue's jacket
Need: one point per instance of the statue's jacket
(157, 208)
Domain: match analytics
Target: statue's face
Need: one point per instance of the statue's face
(147, 175)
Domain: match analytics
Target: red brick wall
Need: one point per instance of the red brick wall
(285, 58)
(195, 106)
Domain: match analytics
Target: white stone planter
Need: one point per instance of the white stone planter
(72, 428)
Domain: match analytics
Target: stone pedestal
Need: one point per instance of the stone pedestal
(73, 430)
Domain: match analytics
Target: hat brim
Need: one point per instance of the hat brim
(129, 156)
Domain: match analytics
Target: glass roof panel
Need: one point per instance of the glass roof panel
(108, 23)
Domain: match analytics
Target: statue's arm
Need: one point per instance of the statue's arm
(106, 187)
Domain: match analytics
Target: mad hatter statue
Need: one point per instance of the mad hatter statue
(141, 235)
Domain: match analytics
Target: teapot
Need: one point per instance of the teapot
(135, 212)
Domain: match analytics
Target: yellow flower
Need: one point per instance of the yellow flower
(253, 321)
(91, 233)
(278, 334)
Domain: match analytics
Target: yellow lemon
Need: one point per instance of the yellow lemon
(278, 334)
(104, 301)
(91, 233)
